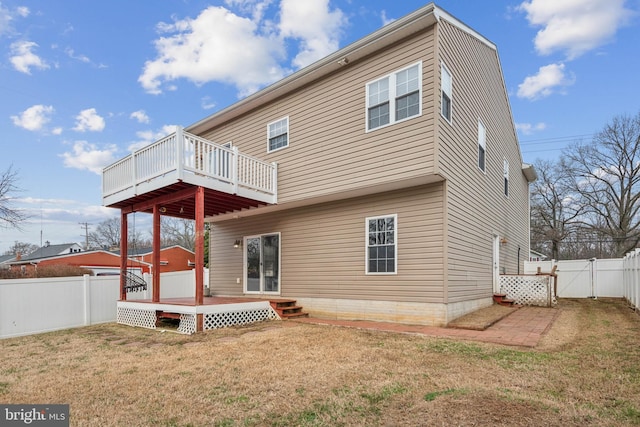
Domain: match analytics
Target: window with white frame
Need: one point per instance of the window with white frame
(395, 97)
(278, 134)
(381, 256)
(482, 146)
(446, 87)
(506, 177)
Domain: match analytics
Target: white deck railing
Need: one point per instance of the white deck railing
(181, 156)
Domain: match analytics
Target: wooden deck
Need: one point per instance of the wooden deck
(216, 312)
(177, 162)
(207, 301)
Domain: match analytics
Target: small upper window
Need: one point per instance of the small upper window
(482, 146)
(506, 177)
(381, 244)
(395, 97)
(446, 86)
(278, 134)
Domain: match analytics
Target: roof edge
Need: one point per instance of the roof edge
(420, 19)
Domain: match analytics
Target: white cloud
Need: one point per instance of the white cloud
(216, 45)
(23, 59)
(574, 26)
(528, 128)
(23, 11)
(6, 16)
(244, 49)
(148, 137)
(550, 78)
(34, 118)
(317, 27)
(206, 103)
(140, 116)
(89, 120)
(86, 156)
(385, 19)
(57, 131)
(78, 57)
(256, 8)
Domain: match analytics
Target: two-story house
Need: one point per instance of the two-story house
(383, 182)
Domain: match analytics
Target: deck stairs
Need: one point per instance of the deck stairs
(287, 308)
(502, 299)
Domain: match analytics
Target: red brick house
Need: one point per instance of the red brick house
(173, 258)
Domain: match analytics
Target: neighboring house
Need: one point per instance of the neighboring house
(172, 258)
(51, 250)
(99, 261)
(536, 256)
(384, 182)
(5, 260)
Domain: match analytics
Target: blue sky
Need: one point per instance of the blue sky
(83, 83)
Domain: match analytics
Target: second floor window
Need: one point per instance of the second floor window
(278, 134)
(506, 177)
(482, 146)
(395, 97)
(446, 87)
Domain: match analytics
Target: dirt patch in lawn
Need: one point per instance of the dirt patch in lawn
(480, 320)
(584, 372)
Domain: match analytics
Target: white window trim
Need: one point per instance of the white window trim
(288, 135)
(392, 97)
(443, 69)
(505, 178)
(366, 245)
(482, 142)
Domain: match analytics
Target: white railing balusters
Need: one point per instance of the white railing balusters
(182, 153)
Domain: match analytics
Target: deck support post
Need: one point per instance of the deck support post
(199, 245)
(155, 259)
(124, 234)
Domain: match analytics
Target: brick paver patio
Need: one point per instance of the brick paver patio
(523, 327)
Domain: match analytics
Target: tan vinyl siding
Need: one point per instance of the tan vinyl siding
(329, 149)
(323, 248)
(476, 206)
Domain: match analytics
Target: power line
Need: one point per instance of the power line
(559, 138)
(85, 227)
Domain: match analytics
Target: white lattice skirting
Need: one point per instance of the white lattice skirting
(143, 315)
(136, 317)
(231, 318)
(529, 290)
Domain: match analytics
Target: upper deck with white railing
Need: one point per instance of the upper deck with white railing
(183, 157)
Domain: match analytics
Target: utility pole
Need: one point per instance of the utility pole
(85, 227)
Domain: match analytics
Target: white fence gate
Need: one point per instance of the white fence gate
(584, 278)
(32, 306)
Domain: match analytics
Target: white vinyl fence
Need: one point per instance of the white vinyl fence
(32, 306)
(631, 283)
(586, 278)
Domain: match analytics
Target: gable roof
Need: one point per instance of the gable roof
(49, 251)
(399, 29)
(149, 250)
(71, 255)
(6, 258)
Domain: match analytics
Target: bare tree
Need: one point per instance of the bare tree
(606, 175)
(10, 217)
(178, 231)
(21, 248)
(107, 235)
(554, 210)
